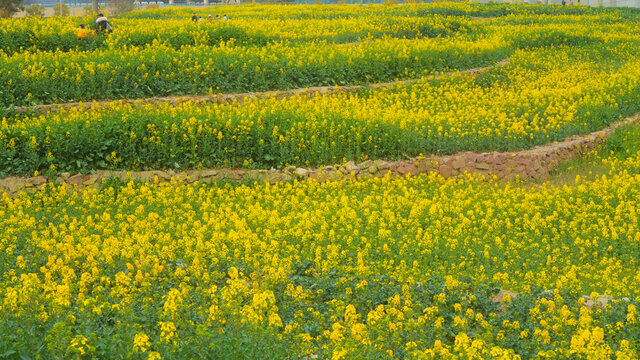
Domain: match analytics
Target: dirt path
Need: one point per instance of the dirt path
(229, 98)
(534, 164)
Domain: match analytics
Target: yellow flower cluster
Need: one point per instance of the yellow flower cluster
(171, 54)
(297, 266)
(385, 268)
(540, 96)
(161, 69)
(35, 34)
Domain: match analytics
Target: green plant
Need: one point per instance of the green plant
(10, 7)
(60, 9)
(35, 10)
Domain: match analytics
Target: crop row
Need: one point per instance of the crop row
(171, 66)
(538, 97)
(305, 12)
(381, 268)
(162, 70)
(58, 34)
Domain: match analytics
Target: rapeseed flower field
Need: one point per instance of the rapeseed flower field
(408, 267)
(562, 78)
(380, 268)
(174, 56)
(539, 96)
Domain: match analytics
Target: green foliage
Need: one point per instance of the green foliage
(225, 57)
(624, 142)
(35, 10)
(401, 291)
(178, 34)
(270, 133)
(61, 9)
(551, 38)
(10, 7)
(230, 69)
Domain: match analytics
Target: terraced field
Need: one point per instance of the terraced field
(409, 264)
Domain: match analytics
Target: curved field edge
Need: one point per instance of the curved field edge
(105, 271)
(543, 95)
(34, 35)
(161, 70)
(530, 165)
(236, 98)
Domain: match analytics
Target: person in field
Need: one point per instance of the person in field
(194, 18)
(81, 32)
(103, 25)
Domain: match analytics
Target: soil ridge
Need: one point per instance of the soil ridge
(533, 164)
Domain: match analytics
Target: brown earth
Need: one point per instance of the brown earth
(537, 163)
(534, 164)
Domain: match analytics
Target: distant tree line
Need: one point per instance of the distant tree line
(10, 7)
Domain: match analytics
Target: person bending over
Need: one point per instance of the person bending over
(102, 24)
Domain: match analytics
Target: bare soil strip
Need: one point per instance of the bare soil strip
(534, 164)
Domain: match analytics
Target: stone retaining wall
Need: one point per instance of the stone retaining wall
(536, 163)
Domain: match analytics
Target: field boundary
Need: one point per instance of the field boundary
(534, 164)
(240, 97)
